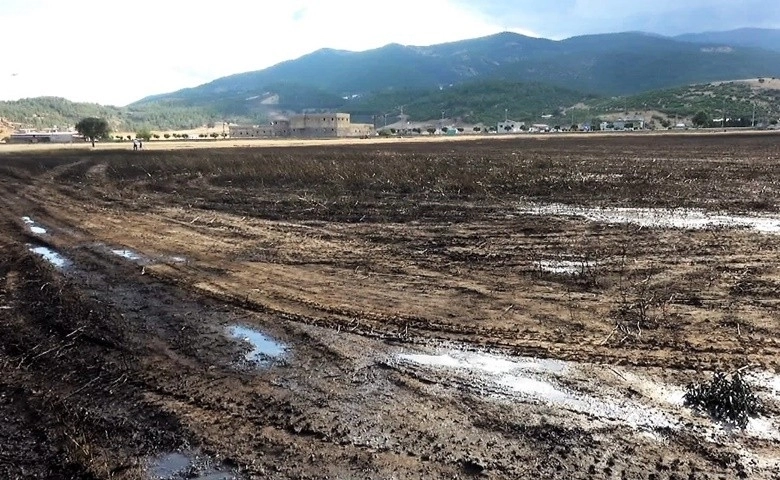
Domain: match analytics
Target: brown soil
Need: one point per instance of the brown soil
(350, 254)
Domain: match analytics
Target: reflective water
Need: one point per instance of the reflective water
(127, 253)
(51, 256)
(179, 466)
(689, 219)
(541, 380)
(564, 267)
(34, 228)
(263, 347)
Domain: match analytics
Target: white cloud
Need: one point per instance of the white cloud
(90, 50)
(119, 51)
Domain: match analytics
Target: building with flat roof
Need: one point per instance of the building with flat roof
(46, 136)
(307, 125)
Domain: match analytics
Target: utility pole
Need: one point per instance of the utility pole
(753, 121)
(506, 115)
(723, 119)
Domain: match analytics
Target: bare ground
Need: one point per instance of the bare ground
(410, 285)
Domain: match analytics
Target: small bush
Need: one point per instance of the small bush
(729, 400)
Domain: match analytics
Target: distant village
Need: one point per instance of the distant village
(339, 125)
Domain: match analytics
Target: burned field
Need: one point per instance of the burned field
(528, 308)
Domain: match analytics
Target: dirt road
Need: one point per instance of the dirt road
(504, 309)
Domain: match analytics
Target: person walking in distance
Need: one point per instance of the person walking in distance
(135, 145)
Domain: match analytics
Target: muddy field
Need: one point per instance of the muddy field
(525, 308)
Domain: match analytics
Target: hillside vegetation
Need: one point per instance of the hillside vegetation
(739, 100)
(47, 112)
(477, 102)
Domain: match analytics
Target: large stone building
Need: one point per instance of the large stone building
(45, 136)
(307, 125)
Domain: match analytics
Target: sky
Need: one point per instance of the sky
(118, 52)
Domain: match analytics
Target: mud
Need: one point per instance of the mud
(496, 309)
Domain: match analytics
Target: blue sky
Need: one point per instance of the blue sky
(118, 52)
(564, 18)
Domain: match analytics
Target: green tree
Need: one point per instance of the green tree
(143, 134)
(166, 135)
(93, 128)
(214, 135)
(700, 119)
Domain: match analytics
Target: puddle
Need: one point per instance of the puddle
(263, 348)
(179, 466)
(486, 362)
(50, 256)
(169, 466)
(762, 428)
(688, 219)
(538, 380)
(768, 383)
(127, 254)
(34, 227)
(599, 392)
(565, 267)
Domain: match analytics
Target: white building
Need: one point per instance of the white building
(623, 124)
(539, 127)
(46, 136)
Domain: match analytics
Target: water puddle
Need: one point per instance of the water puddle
(609, 394)
(768, 384)
(127, 254)
(264, 349)
(539, 380)
(50, 256)
(180, 466)
(34, 227)
(484, 362)
(565, 267)
(687, 219)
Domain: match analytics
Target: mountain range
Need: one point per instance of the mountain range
(606, 64)
(475, 80)
(744, 37)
